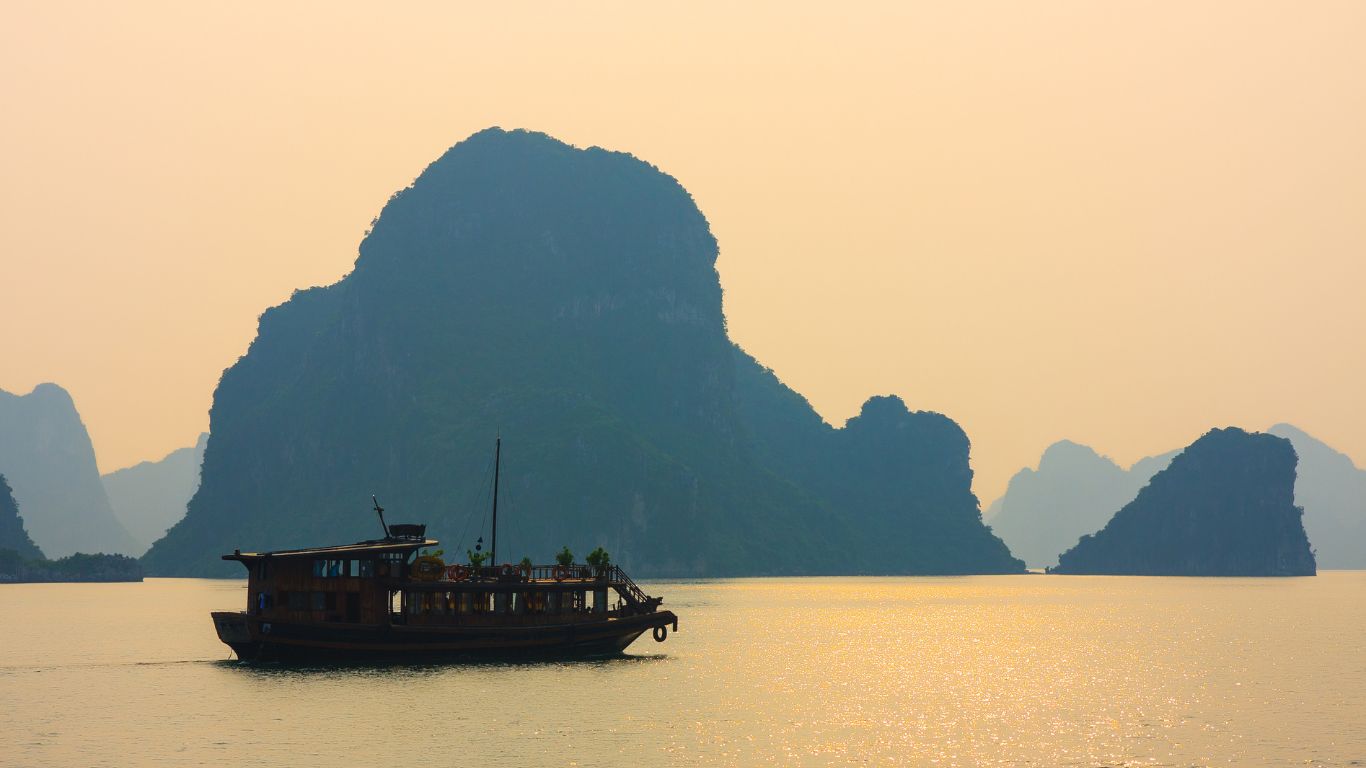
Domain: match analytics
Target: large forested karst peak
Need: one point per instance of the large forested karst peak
(568, 300)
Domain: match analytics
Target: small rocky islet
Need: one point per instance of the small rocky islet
(1223, 507)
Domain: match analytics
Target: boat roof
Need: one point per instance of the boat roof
(372, 547)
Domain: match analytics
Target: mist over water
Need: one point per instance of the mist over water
(992, 670)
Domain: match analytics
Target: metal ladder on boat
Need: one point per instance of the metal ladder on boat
(633, 593)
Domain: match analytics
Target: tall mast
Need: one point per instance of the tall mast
(497, 455)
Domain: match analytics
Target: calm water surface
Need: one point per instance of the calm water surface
(1014, 670)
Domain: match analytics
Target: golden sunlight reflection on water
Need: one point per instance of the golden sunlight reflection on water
(1016, 670)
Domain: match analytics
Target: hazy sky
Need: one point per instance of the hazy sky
(1117, 222)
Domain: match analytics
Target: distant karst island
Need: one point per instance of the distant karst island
(1223, 507)
(151, 496)
(22, 561)
(568, 299)
(1074, 490)
(46, 453)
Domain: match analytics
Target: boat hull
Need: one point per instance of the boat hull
(253, 639)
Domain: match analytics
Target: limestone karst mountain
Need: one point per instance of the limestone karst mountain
(1224, 507)
(1073, 492)
(568, 300)
(901, 477)
(46, 454)
(12, 534)
(1332, 491)
(150, 497)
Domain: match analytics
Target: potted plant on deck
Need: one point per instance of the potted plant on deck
(477, 559)
(564, 563)
(600, 561)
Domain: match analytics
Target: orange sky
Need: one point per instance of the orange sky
(1121, 223)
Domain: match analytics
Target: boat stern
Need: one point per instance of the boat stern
(235, 630)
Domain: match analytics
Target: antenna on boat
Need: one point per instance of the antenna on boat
(380, 511)
(497, 456)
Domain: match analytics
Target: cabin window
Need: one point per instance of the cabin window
(330, 599)
(298, 601)
(366, 568)
(331, 569)
(320, 601)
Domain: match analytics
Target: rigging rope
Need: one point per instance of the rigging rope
(486, 489)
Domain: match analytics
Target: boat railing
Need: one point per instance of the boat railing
(613, 574)
(537, 573)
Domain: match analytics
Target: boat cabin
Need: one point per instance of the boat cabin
(387, 582)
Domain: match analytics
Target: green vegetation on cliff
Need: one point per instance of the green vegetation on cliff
(15, 569)
(1224, 507)
(12, 534)
(568, 299)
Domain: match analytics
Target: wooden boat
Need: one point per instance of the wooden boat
(382, 600)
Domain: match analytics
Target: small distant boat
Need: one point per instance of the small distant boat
(382, 600)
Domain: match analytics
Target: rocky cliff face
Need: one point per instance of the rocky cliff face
(899, 480)
(12, 534)
(1332, 491)
(47, 456)
(1224, 507)
(567, 299)
(1073, 492)
(150, 497)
